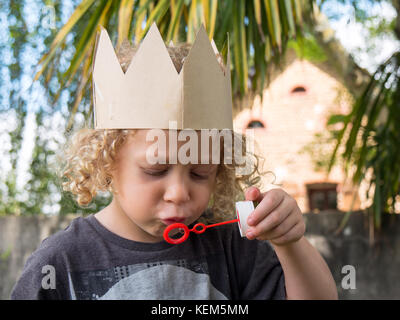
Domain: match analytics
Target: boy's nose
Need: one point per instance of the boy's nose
(177, 191)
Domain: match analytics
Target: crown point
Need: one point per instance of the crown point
(153, 27)
(105, 57)
(202, 48)
(153, 34)
(202, 30)
(102, 32)
(152, 44)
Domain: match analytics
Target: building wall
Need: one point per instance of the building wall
(291, 120)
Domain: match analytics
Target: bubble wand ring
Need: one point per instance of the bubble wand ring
(197, 228)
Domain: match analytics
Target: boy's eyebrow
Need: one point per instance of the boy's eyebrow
(142, 156)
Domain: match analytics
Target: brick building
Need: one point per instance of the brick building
(295, 106)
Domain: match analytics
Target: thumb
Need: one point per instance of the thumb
(252, 194)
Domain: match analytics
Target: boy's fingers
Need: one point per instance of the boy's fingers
(291, 235)
(285, 222)
(277, 219)
(252, 194)
(271, 199)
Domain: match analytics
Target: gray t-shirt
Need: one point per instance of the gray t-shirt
(87, 261)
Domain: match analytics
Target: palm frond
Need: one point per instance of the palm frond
(372, 138)
(259, 31)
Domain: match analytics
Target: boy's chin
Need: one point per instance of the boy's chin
(152, 234)
(155, 237)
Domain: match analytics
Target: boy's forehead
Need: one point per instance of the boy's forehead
(147, 137)
(163, 143)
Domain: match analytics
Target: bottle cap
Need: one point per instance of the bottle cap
(243, 210)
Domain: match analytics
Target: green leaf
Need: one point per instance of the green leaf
(276, 22)
(156, 14)
(213, 18)
(175, 20)
(76, 15)
(289, 17)
(336, 118)
(139, 16)
(240, 53)
(124, 19)
(86, 40)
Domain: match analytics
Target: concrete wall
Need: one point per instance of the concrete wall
(376, 266)
(19, 237)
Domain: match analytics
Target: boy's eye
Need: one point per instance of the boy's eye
(156, 172)
(199, 176)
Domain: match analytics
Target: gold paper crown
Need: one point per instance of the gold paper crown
(151, 92)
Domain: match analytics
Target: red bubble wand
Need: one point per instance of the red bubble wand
(243, 210)
(198, 228)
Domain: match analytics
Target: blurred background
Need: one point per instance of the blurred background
(316, 81)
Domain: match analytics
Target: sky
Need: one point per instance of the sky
(351, 34)
(355, 38)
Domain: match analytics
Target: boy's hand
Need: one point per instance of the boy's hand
(276, 218)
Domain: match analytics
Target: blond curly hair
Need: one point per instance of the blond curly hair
(89, 157)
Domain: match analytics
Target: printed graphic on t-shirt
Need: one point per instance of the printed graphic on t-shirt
(174, 279)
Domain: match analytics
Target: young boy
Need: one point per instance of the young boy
(119, 253)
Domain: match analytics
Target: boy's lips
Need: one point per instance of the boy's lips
(173, 220)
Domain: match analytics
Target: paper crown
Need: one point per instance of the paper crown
(151, 92)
